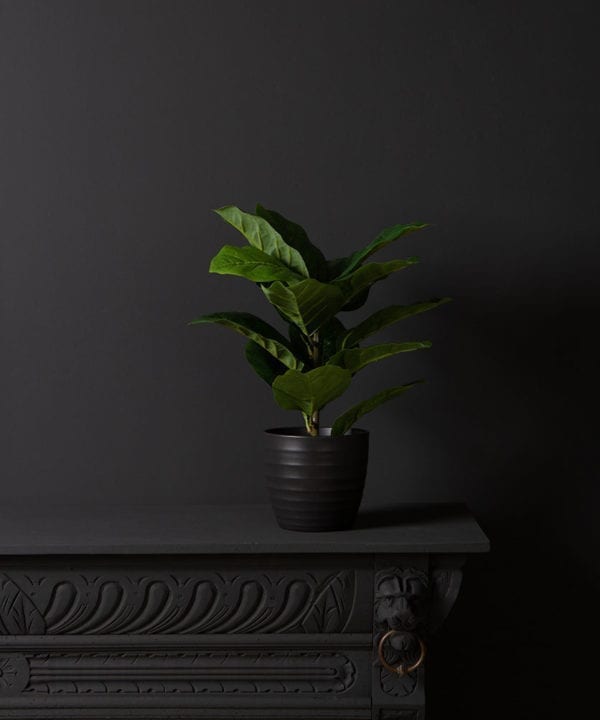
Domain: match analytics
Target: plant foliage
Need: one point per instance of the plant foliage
(315, 364)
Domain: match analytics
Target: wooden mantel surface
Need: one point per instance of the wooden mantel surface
(230, 529)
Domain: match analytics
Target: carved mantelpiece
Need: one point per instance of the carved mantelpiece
(216, 613)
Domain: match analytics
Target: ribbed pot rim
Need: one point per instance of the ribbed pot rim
(324, 433)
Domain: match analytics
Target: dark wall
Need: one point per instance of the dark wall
(123, 123)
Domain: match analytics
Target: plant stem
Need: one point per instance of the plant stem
(315, 356)
(306, 419)
(314, 421)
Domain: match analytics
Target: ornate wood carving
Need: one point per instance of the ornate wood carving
(219, 672)
(14, 673)
(445, 586)
(228, 632)
(414, 604)
(401, 596)
(38, 603)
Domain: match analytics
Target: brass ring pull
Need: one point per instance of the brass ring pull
(400, 670)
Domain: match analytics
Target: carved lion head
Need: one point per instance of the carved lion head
(398, 598)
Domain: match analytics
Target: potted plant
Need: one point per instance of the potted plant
(315, 474)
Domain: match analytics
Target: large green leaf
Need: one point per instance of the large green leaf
(257, 330)
(388, 316)
(263, 363)
(299, 344)
(335, 267)
(367, 275)
(250, 263)
(345, 421)
(355, 359)
(308, 304)
(342, 267)
(357, 301)
(262, 236)
(310, 391)
(295, 236)
(331, 335)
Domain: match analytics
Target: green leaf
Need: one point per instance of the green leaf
(250, 263)
(310, 391)
(335, 268)
(365, 276)
(264, 364)
(344, 266)
(308, 304)
(345, 421)
(262, 236)
(298, 342)
(355, 359)
(357, 301)
(295, 236)
(257, 330)
(388, 316)
(331, 335)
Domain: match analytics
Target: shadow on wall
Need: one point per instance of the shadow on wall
(517, 642)
(514, 645)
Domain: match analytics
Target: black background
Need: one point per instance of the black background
(123, 123)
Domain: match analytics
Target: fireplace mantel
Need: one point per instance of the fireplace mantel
(214, 612)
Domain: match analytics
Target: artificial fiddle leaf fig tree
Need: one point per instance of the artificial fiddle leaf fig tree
(315, 363)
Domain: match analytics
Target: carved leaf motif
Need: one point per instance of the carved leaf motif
(398, 686)
(18, 614)
(244, 601)
(61, 605)
(284, 609)
(199, 607)
(332, 606)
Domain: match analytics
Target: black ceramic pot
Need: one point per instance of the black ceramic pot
(316, 483)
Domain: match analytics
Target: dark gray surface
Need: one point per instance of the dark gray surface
(214, 529)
